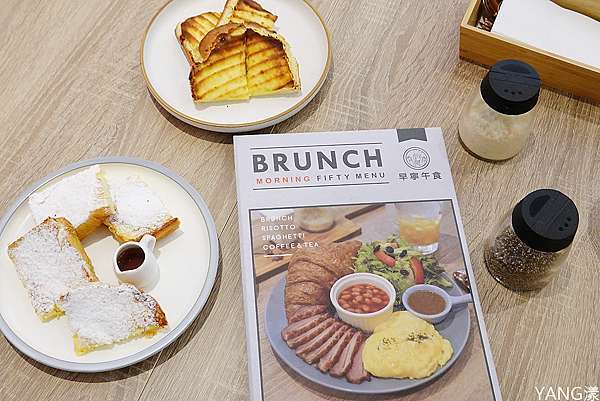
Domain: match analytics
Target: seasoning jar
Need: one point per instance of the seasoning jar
(531, 243)
(497, 120)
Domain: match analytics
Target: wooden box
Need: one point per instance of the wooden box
(486, 48)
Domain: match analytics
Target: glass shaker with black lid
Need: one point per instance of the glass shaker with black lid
(497, 121)
(533, 241)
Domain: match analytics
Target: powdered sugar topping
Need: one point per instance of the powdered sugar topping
(48, 265)
(101, 314)
(139, 211)
(74, 197)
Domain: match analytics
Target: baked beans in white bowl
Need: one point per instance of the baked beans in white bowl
(363, 300)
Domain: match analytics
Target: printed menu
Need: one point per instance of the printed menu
(356, 273)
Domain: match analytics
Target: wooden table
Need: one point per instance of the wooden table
(72, 89)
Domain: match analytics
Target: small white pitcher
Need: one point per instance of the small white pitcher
(146, 275)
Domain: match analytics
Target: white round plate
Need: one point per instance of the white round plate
(166, 69)
(188, 260)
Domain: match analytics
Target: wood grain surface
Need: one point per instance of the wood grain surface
(72, 89)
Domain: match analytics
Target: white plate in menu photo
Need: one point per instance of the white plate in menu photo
(188, 260)
(166, 69)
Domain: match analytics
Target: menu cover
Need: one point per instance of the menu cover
(356, 273)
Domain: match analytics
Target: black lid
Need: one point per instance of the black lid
(511, 87)
(546, 220)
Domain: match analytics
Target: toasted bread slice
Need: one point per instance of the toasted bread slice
(50, 261)
(221, 75)
(270, 66)
(244, 11)
(101, 315)
(82, 198)
(139, 211)
(243, 60)
(191, 32)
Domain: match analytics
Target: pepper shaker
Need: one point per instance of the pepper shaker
(533, 241)
(497, 121)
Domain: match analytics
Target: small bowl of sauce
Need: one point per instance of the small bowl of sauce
(131, 258)
(431, 303)
(135, 263)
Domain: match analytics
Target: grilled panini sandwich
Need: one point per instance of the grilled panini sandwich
(222, 73)
(244, 11)
(238, 58)
(191, 32)
(270, 66)
(50, 261)
(243, 60)
(101, 314)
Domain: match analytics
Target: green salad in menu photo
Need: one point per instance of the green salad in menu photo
(397, 262)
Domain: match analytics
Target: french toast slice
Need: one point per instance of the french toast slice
(270, 66)
(101, 315)
(82, 198)
(221, 74)
(139, 211)
(245, 11)
(50, 261)
(191, 32)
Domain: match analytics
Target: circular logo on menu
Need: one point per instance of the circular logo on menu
(416, 158)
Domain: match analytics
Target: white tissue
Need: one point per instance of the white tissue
(545, 25)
